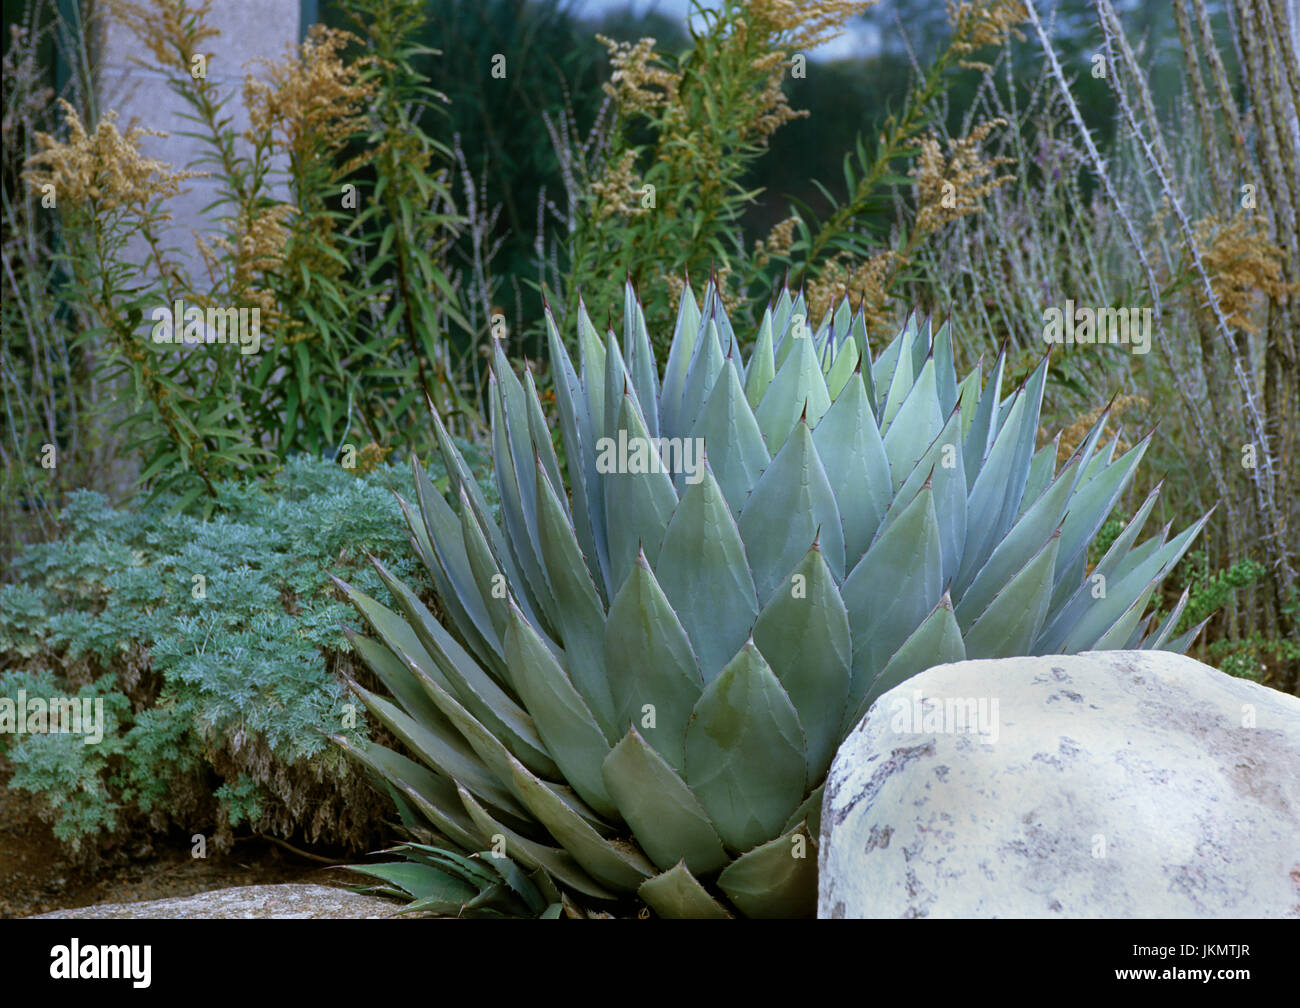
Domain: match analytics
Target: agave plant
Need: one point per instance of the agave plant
(643, 670)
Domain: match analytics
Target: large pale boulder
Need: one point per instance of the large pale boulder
(1107, 784)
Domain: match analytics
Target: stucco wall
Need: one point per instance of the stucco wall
(249, 30)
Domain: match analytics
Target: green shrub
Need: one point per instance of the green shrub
(216, 702)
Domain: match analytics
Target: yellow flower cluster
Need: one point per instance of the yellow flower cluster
(618, 193)
(1244, 266)
(954, 186)
(866, 285)
(771, 107)
(173, 30)
(371, 457)
(312, 102)
(979, 23)
(100, 172)
(639, 83)
(777, 242)
(805, 24)
(258, 249)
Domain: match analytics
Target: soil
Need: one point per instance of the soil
(38, 875)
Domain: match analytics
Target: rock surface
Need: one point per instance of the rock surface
(1109, 784)
(282, 902)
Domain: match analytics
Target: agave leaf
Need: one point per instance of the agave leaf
(649, 661)
(470, 869)
(592, 362)
(1114, 609)
(885, 366)
(968, 393)
(545, 886)
(1024, 540)
(539, 435)
(1116, 637)
(854, 460)
(726, 334)
(638, 505)
(1090, 505)
(395, 632)
(917, 424)
(519, 511)
(580, 459)
(858, 333)
(1181, 643)
(1066, 614)
(486, 572)
(680, 354)
(668, 820)
(884, 611)
(797, 390)
(495, 756)
(781, 311)
(803, 634)
(923, 344)
(676, 894)
(1015, 616)
(1139, 555)
(390, 671)
(705, 575)
(937, 641)
(434, 796)
(843, 316)
(992, 489)
(644, 371)
(776, 879)
(448, 753)
(731, 438)
(791, 505)
(1024, 456)
(433, 649)
(745, 751)
(844, 366)
(979, 439)
(571, 733)
(519, 429)
(945, 369)
(761, 368)
(521, 885)
(941, 467)
(530, 854)
(809, 813)
(705, 367)
(618, 387)
(902, 379)
(422, 882)
(579, 615)
(620, 867)
(443, 551)
(437, 518)
(1042, 470)
(1087, 450)
(797, 326)
(462, 477)
(1163, 632)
